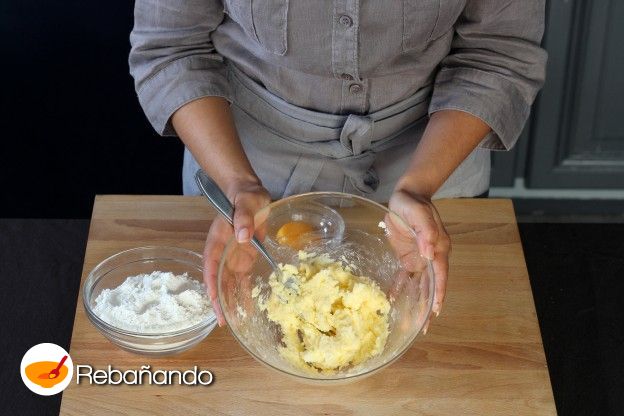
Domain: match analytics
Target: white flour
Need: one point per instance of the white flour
(152, 303)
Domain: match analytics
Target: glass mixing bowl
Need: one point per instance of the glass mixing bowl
(113, 271)
(350, 229)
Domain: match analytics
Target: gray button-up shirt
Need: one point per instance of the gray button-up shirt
(345, 56)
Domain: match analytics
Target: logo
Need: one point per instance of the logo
(46, 369)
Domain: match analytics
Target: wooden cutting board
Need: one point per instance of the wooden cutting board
(482, 356)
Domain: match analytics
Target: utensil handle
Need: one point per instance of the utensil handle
(60, 364)
(215, 195)
(217, 198)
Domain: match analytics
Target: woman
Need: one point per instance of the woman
(400, 101)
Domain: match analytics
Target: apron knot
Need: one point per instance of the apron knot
(357, 133)
(356, 136)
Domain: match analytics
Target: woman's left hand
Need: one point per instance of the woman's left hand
(432, 239)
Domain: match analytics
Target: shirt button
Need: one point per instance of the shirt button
(347, 77)
(345, 20)
(355, 88)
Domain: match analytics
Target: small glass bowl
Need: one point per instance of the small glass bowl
(327, 225)
(144, 260)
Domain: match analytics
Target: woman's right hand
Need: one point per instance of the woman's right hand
(247, 197)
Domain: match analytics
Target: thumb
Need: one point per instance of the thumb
(421, 219)
(243, 218)
(426, 242)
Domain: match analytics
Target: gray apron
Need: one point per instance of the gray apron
(295, 150)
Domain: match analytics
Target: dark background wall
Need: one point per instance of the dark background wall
(71, 125)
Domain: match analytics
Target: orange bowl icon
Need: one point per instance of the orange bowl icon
(41, 373)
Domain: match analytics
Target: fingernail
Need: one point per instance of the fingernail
(437, 308)
(243, 235)
(426, 328)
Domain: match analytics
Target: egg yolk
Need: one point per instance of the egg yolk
(293, 234)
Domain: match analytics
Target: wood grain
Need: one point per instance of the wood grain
(482, 356)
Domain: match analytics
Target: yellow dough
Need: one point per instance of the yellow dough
(329, 317)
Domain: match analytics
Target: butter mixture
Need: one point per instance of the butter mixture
(330, 318)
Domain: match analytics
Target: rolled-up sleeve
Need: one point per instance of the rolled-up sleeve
(172, 59)
(495, 67)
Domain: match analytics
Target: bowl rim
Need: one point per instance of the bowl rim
(100, 324)
(348, 376)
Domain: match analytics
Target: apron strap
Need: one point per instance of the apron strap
(303, 176)
(359, 169)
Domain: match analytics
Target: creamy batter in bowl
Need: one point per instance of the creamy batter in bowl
(375, 251)
(330, 317)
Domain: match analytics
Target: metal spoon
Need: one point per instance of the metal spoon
(222, 204)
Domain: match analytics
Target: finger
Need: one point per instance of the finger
(441, 262)
(398, 236)
(260, 222)
(244, 210)
(436, 216)
(241, 258)
(440, 269)
(397, 284)
(218, 234)
(426, 326)
(246, 286)
(424, 312)
(422, 219)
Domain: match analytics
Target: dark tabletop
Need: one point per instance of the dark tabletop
(576, 271)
